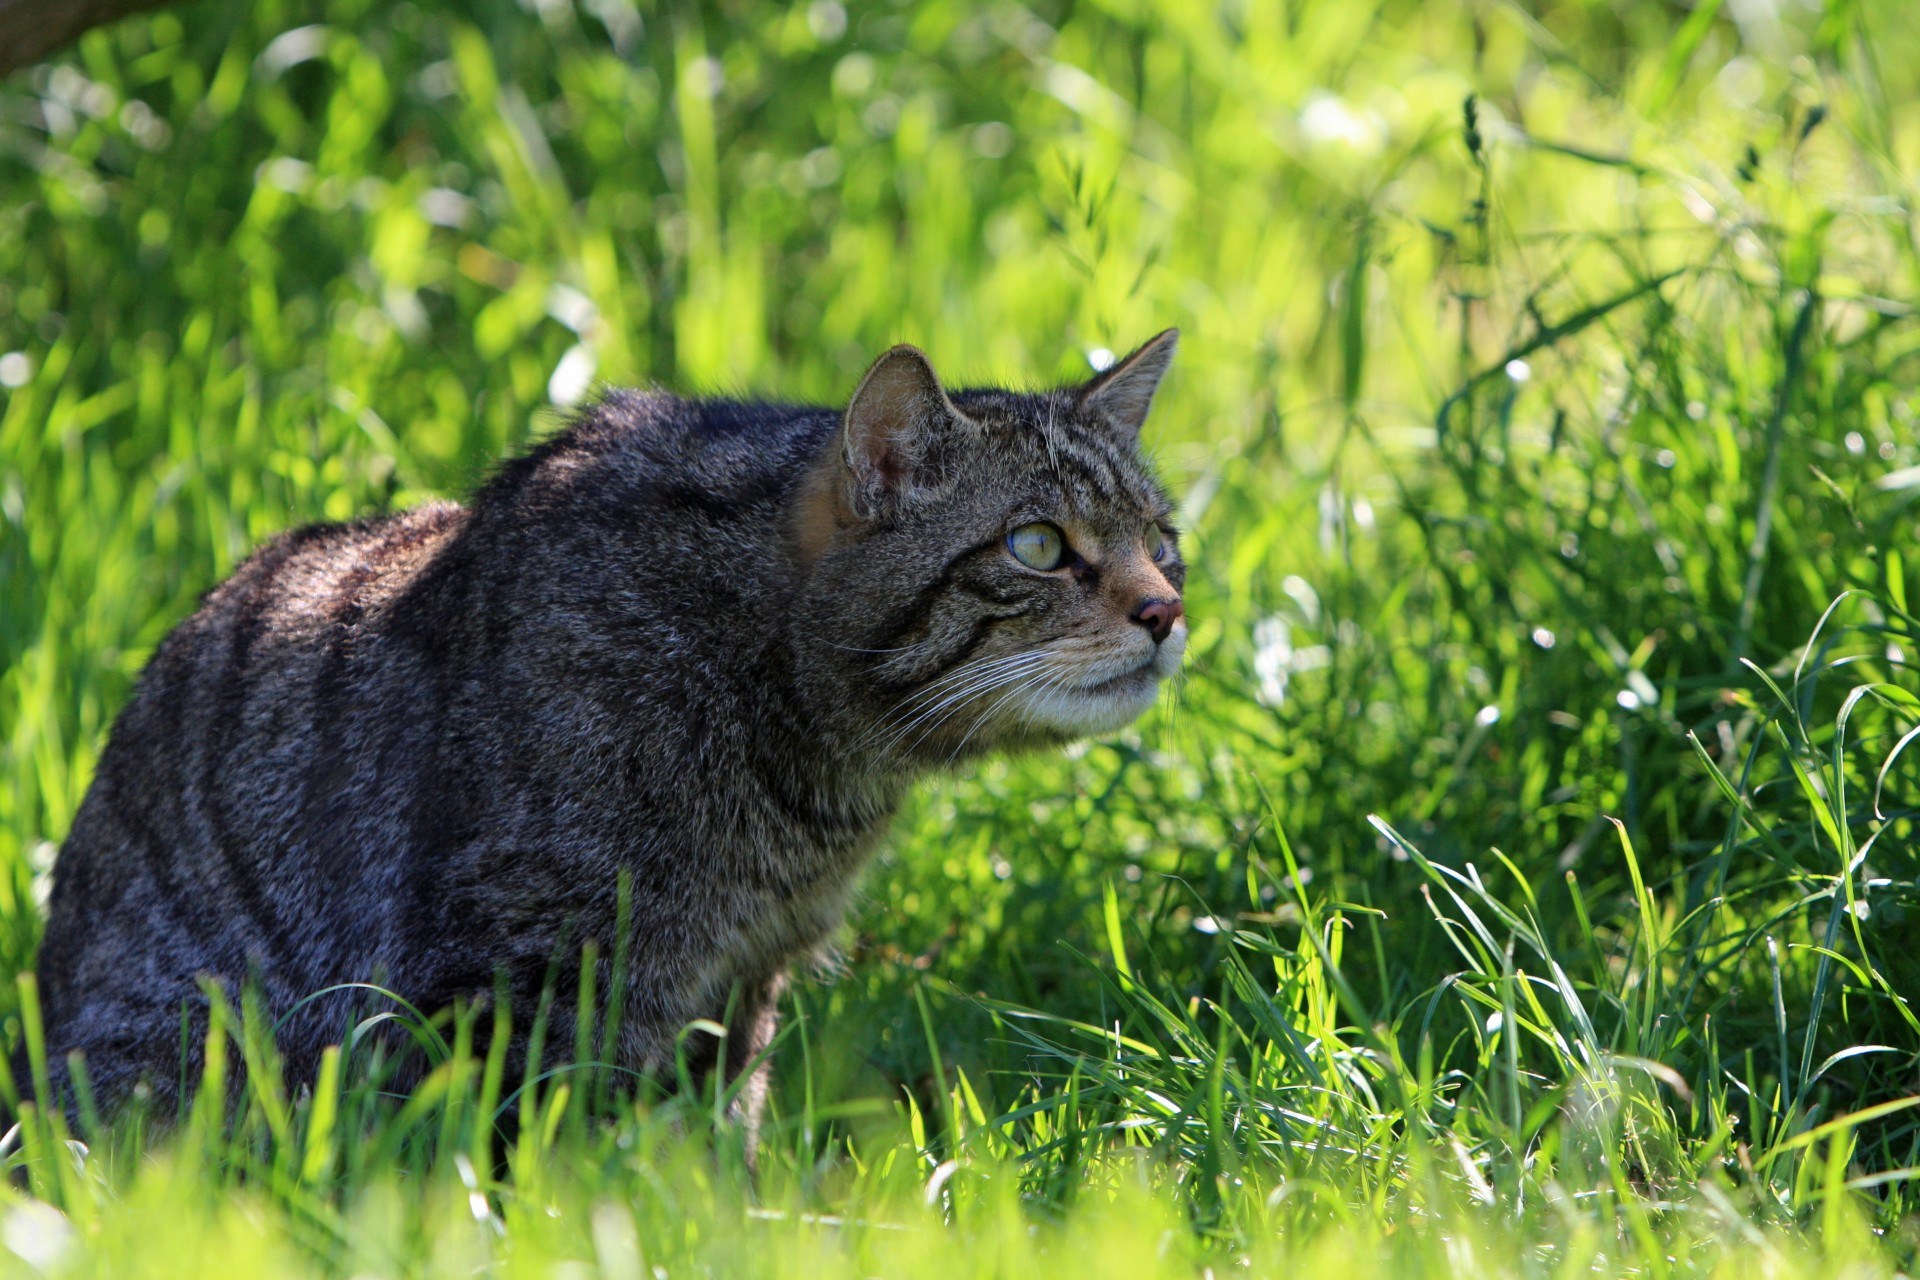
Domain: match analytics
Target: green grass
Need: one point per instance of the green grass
(1523, 880)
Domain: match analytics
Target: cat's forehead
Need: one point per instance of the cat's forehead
(1038, 448)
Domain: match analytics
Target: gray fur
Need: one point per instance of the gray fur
(697, 641)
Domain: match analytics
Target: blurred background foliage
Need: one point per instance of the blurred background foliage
(1542, 366)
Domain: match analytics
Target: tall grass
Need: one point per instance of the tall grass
(1520, 881)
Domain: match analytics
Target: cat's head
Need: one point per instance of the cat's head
(993, 568)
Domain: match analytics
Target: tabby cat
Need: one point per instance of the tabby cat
(698, 647)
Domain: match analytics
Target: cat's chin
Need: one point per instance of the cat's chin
(1090, 710)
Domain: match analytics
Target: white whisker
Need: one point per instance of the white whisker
(949, 693)
(954, 702)
(1040, 681)
(953, 679)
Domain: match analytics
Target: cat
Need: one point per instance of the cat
(698, 647)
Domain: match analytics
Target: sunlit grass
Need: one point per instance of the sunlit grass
(1521, 881)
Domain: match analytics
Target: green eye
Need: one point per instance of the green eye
(1037, 546)
(1156, 543)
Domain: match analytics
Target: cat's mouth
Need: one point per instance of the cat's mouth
(1104, 699)
(1127, 681)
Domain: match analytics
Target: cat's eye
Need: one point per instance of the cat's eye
(1156, 543)
(1038, 546)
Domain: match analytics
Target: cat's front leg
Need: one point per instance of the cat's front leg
(750, 1030)
(695, 1053)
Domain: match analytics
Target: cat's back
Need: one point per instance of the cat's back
(298, 600)
(231, 738)
(289, 605)
(330, 761)
(256, 708)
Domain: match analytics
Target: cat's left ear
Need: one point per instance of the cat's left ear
(1123, 394)
(895, 426)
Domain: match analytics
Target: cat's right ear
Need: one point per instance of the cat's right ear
(894, 427)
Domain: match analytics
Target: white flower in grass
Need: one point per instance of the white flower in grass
(1327, 118)
(572, 376)
(1272, 657)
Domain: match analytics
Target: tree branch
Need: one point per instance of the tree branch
(31, 30)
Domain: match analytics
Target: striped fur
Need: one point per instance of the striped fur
(696, 642)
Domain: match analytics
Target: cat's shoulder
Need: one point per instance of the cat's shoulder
(690, 429)
(648, 439)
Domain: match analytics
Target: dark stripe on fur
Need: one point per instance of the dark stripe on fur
(913, 615)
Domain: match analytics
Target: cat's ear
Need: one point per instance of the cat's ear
(1123, 394)
(895, 424)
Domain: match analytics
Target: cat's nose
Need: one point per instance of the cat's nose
(1158, 617)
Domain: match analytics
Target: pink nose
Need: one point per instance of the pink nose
(1158, 617)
